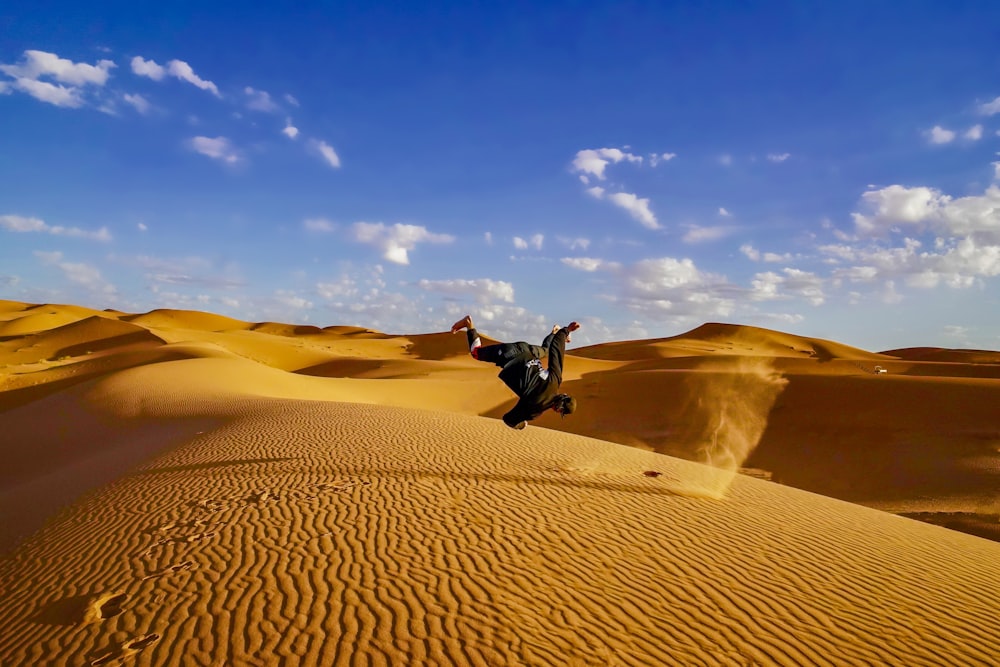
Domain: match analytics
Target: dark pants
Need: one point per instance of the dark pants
(502, 354)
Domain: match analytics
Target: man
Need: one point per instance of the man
(521, 364)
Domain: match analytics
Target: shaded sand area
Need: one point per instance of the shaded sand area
(181, 488)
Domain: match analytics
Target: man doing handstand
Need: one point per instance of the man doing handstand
(521, 364)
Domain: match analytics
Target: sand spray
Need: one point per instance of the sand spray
(728, 413)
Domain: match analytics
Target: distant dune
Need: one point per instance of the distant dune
(185, 488)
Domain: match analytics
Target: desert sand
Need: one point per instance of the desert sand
(184, 488)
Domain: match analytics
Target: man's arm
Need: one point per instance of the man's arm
(557, 349)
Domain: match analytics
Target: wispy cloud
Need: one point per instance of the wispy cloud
(259, 100)
(755, 255)
(656, 158)
(974, 133)
(482, 290)
(637, 207)
(575, 243)
(396, 241)
(290, 130)
(176, 68)
(589, 264)
(138, 102)
(990, 108)
(318, 225)
(778, 157)
(326, 151)
(698, 234)
(17, 223)
(86, 275)
(218, 148)
(535, 242)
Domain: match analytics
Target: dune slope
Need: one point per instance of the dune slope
(340, 532)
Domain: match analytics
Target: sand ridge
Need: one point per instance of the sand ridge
(320, 530)
(184, 488)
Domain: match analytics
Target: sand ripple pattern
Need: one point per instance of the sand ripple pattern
(343, 534)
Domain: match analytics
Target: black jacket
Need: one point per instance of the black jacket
(536, 386)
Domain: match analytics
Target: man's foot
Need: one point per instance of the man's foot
(464, 323)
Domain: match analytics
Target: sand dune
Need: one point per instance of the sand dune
(182, 488)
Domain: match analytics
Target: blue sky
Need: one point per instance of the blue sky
(825, 169)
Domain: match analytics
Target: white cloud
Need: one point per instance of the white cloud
(17, 223)
(726, 160)
(44, 91)
(396, 241)
(535, 242)
(290, 130)
(142, 227)
(218, 148)
(696, 234)
(974, 133)
(140, 103)
(291, 100)
(488, 237)
(656, 158)
(755, 255)
(637, 207)
(37, 64)
(990, 108)
(724, 213)
(676, 289)
(175, 68)
(148, 68)
(483, 290)
(778, 157)
(327, 152)
(965, 247)
(259, 100)
(318, 225)
(897, 204)
(594, 161)
(771, 286)
(589, 264)
(939, 135)
(183, 71)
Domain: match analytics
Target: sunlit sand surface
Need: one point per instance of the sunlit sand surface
(184, 488)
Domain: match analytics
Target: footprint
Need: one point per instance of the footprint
(258, 497)
(208, 505)
(186, 565)
(104, 606)
(125, 649)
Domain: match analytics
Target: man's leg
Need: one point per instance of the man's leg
(498, 354)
